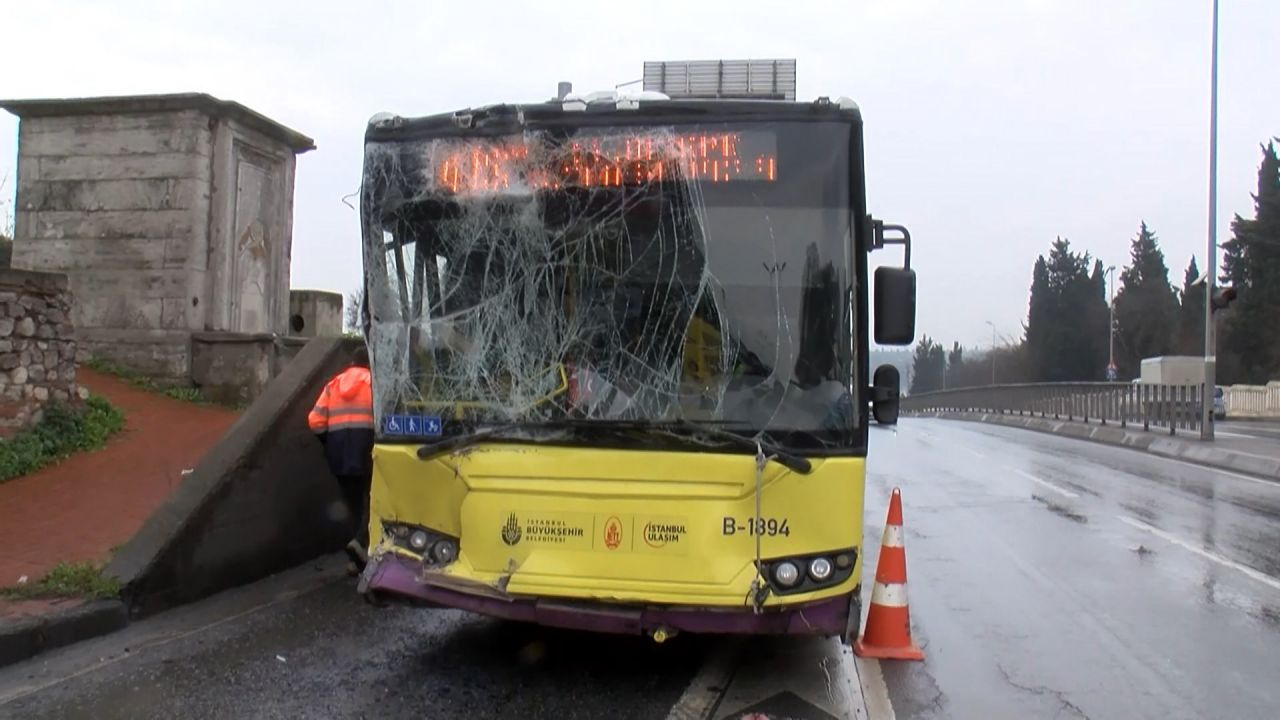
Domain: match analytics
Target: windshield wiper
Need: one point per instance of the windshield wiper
(785, 458)
(426, 452)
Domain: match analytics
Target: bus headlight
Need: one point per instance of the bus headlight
(786, 573)
(418, 540)
(820, 569)
(444, 552)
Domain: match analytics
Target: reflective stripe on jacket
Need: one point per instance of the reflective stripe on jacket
(345, 402)
(343, 419)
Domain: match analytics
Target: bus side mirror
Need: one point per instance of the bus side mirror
(885, 389)
(895, 306)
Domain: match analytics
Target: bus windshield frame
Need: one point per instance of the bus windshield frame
(617, 272)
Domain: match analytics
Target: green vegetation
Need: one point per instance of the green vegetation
(142, 382)
(82, 580)
(62, 431)
(1066, 335)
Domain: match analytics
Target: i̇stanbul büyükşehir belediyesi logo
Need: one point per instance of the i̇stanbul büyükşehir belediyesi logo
(511, 530)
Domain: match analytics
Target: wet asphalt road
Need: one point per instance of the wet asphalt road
(1053, 578)
(1048, 578)
(325, 654)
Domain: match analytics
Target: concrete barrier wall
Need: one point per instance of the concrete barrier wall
(259, 502)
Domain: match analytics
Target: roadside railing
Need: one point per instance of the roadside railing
(1171, 407)
(1252, 401)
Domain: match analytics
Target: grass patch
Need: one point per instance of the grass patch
(81, 580)
(142, 382)
(62, 431)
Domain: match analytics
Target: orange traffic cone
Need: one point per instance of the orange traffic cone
(888, 631)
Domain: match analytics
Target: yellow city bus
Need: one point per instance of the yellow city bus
(620, 362)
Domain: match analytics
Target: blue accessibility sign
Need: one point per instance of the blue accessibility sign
(412, 425)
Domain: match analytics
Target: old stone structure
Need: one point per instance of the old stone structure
(315, 313)
(169, 214)
(37, 346)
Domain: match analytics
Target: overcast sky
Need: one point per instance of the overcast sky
(992, 126)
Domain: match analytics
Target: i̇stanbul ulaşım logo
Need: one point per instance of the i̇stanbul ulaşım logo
(511, 530)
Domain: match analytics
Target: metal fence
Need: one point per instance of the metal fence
(1171, 407)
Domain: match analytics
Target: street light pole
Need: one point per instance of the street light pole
(993, 352)
(1111, 324)
(1210, 359)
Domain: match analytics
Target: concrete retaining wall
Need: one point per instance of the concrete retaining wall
(259, 502)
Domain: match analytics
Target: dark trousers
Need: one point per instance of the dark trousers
(355, 493)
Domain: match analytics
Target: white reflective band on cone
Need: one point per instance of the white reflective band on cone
(890, 595)
(892, 536)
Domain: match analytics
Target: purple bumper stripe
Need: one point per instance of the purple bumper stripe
(394, 578)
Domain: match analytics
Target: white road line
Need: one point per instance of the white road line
(1261, 577)
(1269, 483)
(1047, 484)
(847, 683)
(705, 689)
(1224, 433)
(875, 693)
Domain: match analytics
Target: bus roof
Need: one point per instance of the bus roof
(605, 109)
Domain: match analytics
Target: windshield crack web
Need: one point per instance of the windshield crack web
(512, 295)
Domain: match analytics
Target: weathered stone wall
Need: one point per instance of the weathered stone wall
(315, 313)
(235, 368)
(116, 203)
(169, 214)
(37, 346)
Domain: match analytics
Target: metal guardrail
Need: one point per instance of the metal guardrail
(1175, 407)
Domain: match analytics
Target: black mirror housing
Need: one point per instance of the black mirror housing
(895, 306)
(886, 387)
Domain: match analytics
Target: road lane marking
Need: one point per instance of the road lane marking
(875, 692)
(704, 691)
(1224, 433)
(821, 673)
(1261, 577)
(1239, 476)
(971, 451)
(1047, 484)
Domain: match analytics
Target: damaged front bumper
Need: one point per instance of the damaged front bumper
(393, 578)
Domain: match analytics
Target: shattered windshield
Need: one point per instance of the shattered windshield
(691, 272)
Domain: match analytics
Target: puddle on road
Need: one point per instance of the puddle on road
(1060, 509)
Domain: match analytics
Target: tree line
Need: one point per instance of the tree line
(1066, 335)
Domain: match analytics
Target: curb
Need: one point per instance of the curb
(25, 638)
(1166, 446)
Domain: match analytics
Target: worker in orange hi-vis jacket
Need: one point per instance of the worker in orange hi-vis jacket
(342, 419)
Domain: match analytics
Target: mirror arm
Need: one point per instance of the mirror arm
(878, 239)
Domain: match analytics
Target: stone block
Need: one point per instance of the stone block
(108, 225)
(18, 375)
(6, 346)
(9, 361)
(7, 296)
(156, 165)
(26, 327)
(33, 303)
(99, 195)
(90, 141)
(35, 373)
(46, 331)
(6, 326)
(51, 358)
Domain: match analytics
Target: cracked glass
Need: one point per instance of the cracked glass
(693, 272)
